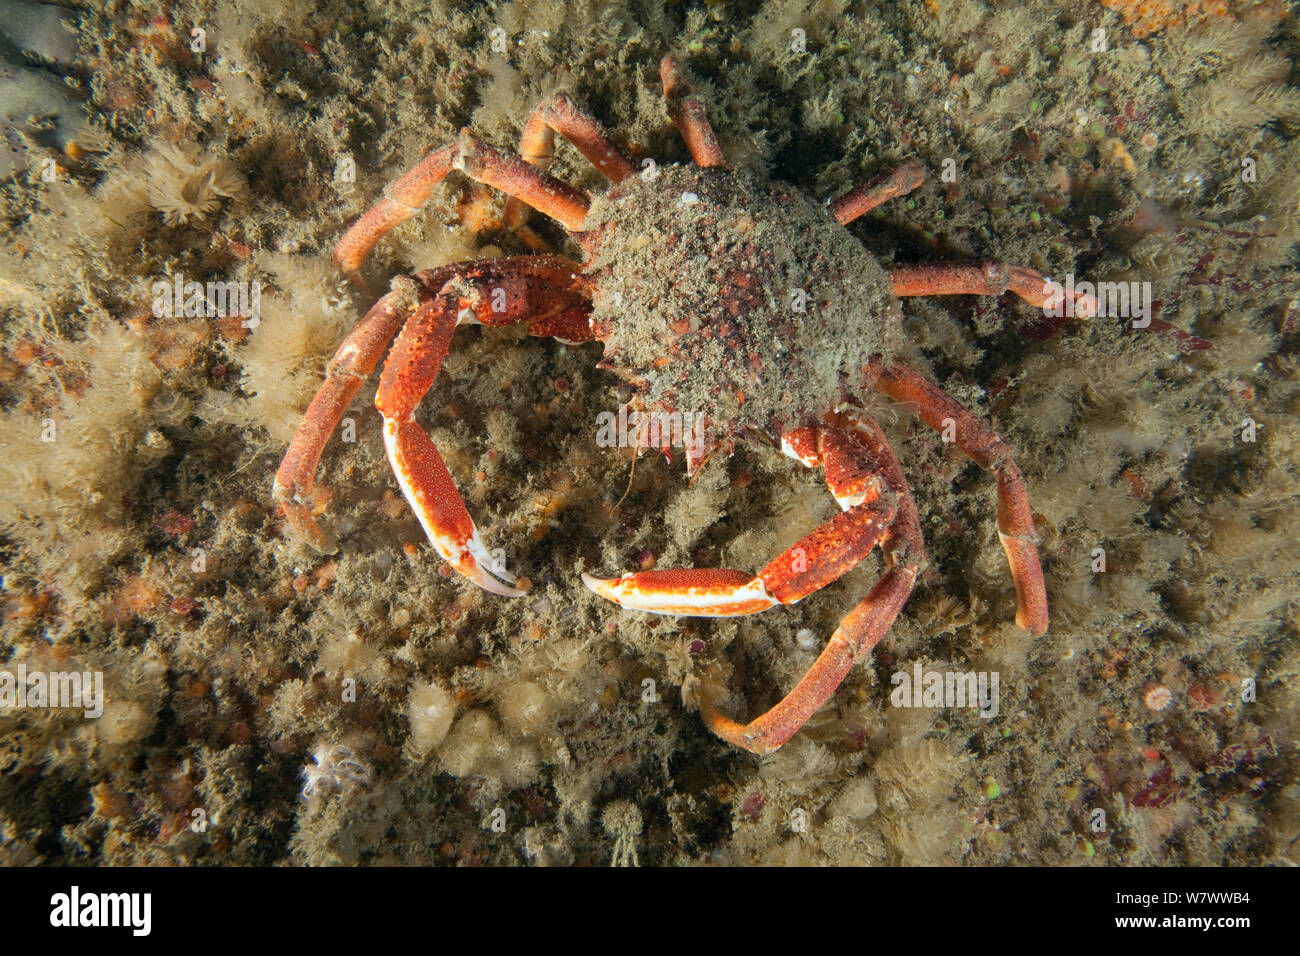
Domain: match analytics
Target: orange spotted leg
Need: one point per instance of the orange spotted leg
(541, 290)
(354, 361)
(688, 115)
(819, 558)
(989, 278)
(862, 628)
(408, 193)
(861, 200)
(983, 445)
(559, 114)
(858, 633)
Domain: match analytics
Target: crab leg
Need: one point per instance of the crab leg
(688, 115)
(863, 199)
(819, 558)
(405, 195)
(859, 631)
(990, 278)
(984, 446)
(559, 114)
(542, 290)
(904, 534)
(354, 361)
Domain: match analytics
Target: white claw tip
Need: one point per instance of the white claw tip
(489, 583)
(601, 587)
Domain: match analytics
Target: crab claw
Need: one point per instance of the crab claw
(425, 482)
(480, 567)
(468, 555)
(710, 592)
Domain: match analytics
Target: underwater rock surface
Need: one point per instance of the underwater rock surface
(170, 304)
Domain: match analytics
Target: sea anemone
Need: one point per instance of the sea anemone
(1157, 697)
(186, 184)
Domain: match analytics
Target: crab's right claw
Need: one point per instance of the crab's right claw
(428, 487)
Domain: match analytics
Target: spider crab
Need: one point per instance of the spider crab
(738, 300)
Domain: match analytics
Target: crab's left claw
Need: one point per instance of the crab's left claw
(819, 558)
(864, 476)
(711, 592)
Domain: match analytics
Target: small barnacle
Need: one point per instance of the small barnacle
(334, 770)
(186, 184)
